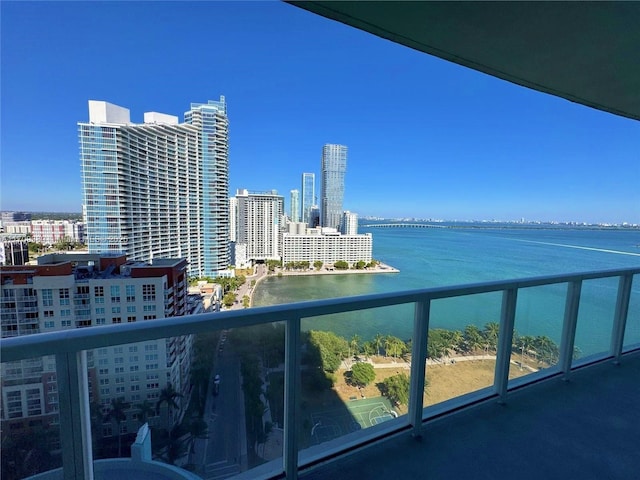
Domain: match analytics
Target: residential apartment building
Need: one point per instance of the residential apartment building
(158, 189)
(49, 232)
(68, 291)
(349, 224)
(326, 246)
(14, 250)
(333, 170)
(308, 196)
(259, 220)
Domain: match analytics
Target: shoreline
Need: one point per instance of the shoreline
(262, 274)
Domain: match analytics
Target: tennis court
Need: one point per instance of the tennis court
(357, 414)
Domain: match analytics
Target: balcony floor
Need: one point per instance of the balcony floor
(587, 428)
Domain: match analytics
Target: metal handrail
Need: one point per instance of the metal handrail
(70, 346)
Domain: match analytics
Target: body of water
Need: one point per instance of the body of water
(431, 257)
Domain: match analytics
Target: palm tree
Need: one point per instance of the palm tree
(145, 410)
(116, 412)
(472, 338)
(168, 395)
(491, 331)
(197, 429)
(378, 341)
(354, 344)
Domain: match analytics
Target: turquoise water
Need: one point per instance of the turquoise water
(430, 257)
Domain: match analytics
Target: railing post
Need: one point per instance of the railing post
(568, 339)
(505, 340)
(75, 417)
(418, 360)
(291, 395)
(620, 316)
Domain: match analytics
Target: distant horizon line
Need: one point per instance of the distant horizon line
(521, 221)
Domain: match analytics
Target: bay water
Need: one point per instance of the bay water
(471, 253)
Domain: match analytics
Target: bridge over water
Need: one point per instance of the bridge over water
(405, 225)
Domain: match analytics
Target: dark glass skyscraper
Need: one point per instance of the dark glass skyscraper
(333, 169)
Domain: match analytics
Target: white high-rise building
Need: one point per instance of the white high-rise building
(158, 189)
(259, 217)
(349, 223)
(295, 205)
(333, 170)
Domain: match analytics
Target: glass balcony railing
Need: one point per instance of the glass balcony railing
(273, 391)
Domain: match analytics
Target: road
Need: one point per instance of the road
(223, 454)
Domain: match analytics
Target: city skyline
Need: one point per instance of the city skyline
(427, 139)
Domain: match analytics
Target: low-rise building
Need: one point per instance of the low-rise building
(327, 247)
(67, 291)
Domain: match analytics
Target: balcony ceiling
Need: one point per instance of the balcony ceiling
(585, 52)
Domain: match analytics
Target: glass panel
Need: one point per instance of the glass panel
(251, 369)
(462, 343)
(355, 372)
(632, 332)
(538, 328)
(595, 317)
(30, 421)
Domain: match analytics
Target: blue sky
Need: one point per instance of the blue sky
(426, 138)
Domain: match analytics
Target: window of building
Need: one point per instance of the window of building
(131, 319)
(131, 293)
(116, 320)
(49, 324)
(64, 296)
(47, 297)
(149, 293)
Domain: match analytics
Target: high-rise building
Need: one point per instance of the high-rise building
(295, 205)
(67, 291)
(333, 169)
(158, 189)
(259, 217)
(349, 223)
(308, 196)
(50, 232)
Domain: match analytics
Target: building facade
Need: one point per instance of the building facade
(259, 220)
(308, 196)
(333, 170)
(158, 189)
(327, 248)
(295, 206)
(14, 250)
(49, 232)
(349, 224)
(67, 291)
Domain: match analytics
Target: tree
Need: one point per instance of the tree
(317, 264)
(360, 265)
(229, 299)
(327, 349)
(362, 374)
(396, 388)
(246, 301)
(341, 265)
(472, 338)
(197, 429)
(354, 345)
(491, 331)
(378, 341)
(145, 410)
(168, 395)
(116, 411)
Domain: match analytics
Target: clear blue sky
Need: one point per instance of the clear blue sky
(426, 138)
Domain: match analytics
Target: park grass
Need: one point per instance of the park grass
(444, 381)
